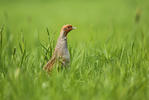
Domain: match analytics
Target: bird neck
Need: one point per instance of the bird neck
(62, 41)
(63, 35)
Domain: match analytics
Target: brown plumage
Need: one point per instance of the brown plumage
(61, 53)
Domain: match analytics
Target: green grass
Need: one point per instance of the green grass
(109, 50)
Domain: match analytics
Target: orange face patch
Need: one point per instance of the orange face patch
(67, 28)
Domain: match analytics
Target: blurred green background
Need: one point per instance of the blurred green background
(97, 16)
(109, 50)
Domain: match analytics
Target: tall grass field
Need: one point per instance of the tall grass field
(109, 50)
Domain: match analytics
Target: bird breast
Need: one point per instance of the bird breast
(62, 50)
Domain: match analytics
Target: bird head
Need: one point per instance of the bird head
(66, 29)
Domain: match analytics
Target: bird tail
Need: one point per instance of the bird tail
(50, 64)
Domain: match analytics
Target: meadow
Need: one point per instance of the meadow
(109, 49)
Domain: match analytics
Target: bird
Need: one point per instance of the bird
(61, 52)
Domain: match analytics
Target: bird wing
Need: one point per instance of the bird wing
(50, 64)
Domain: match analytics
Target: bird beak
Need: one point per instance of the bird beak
(74, 28)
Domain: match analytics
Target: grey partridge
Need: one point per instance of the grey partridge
(61, 53)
